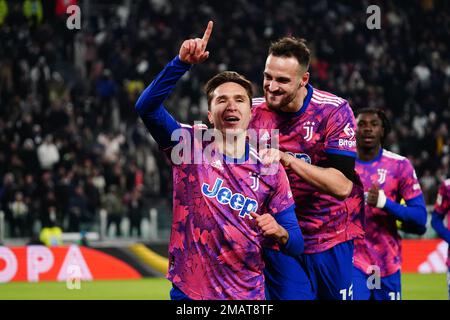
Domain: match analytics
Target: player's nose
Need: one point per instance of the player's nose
(231, 105)
(273, 86)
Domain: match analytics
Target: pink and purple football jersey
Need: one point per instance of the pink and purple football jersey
(381, 246)
(442, 206)
(215, 249)
(325, 124)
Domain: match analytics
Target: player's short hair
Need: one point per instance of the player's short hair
(382, 115)
(292, 47)
(224, 77)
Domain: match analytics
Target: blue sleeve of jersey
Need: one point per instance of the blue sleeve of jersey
(288, 220)
(149, 106)
(437, 222)
(415, 211)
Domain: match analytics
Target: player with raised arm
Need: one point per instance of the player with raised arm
(223, 209)
(387, 178)
(442, 209)
(318, 150)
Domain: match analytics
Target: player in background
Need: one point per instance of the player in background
(220, 208)
(387, 178)
(318, 150)
(441, 209)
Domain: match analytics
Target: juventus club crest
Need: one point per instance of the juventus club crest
(309, 127)
(382, 175)
(255, 181)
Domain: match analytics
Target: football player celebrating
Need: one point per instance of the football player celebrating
(387, 178)
(224, 209)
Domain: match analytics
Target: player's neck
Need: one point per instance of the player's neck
(296, 104)
(368, 154)
(233, 145)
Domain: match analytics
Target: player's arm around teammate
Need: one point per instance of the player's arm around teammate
(329, 180)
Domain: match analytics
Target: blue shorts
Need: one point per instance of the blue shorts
(331, 272)
(177, 294)
(387, 288)
(285, 277)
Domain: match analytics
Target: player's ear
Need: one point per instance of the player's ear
(305, 79)
(210, 117)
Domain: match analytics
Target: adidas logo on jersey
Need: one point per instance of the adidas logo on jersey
(235, 201)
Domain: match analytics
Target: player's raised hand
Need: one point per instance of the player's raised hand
(270, 227)
(372, 195)
(269, 156)
(192, 51)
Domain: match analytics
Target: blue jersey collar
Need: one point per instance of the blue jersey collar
(377, 158)
(304, 106)
(228, 159)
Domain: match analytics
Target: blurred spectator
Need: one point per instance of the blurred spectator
(58, 92)
(51, 236)
(49, 214)
(135, 212)
(134, 176)
(3, 11)
(429, 186)
(29, 189)
(29, 157)
(48, 153)
(93, 196)
(114, 175)
(83, 239)
(32, 10)
(63, 192)
(99, 181)
(19, 212)
(78, 209)
(106, 89)
(7, 192)
(115, 209)
(111, 142)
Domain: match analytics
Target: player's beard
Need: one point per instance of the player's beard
(285, 101)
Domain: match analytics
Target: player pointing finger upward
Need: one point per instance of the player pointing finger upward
(192, 51)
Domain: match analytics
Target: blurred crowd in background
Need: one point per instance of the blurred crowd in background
(72, 144)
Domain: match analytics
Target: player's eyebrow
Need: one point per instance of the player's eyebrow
(283, 79)
(279, 79)
(239, 96)
(222, 96)
(236, 96)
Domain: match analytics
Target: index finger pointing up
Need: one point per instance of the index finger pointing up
(208, 31)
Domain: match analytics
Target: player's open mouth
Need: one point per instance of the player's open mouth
(231, 119)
